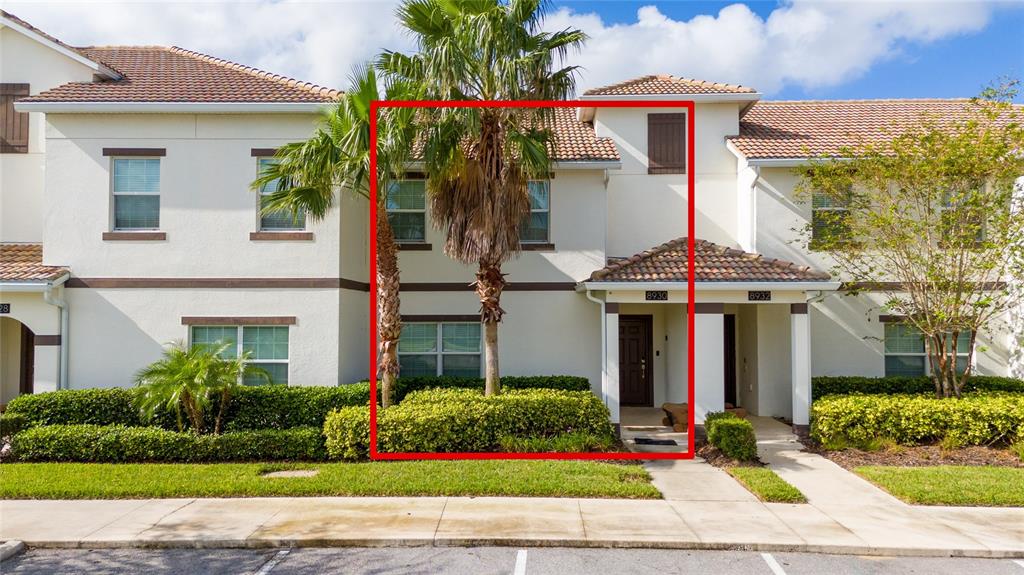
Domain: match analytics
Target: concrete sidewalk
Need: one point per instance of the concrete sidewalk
(451, 521)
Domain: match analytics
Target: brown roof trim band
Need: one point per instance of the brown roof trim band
(263, 152)
(517, 286)
(135, 152)
(238, 320)
(46, 339)
(708, 307)
(218, 283)
(440, 318)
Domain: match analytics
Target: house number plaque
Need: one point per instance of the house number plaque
(759, 296)
(656, 296)
(5, 308)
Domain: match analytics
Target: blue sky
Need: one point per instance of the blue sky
(795, 49)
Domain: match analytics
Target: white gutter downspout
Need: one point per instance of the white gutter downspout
(604, 342)
(62, 305)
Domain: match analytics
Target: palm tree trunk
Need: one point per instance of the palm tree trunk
(389, 317)
(489, 284)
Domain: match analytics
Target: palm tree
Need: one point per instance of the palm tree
(188, 379)
(480, 160)
(307, 175)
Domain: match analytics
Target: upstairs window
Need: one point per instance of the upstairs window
(13, 124)
(407, 205)
(277, 221)
(267, 345)
(136, 189)
(960, 223)
(666, 143)
(440, 349)
(535, 228)
(829, 218)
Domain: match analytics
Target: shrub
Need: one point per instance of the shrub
(250, 408)
(843, 385)
(120, 444)
(976, 419)
(407, 385)
(572, 442)
(464, 420)
(1018, 448)
(11, 423)
(733, 436)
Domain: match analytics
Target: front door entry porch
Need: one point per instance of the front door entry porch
(636, 381)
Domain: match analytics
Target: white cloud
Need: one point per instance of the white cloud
(804, 43)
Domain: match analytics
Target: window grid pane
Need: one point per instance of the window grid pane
(214, 335)
(901, 338)
(408, 226)
(460, 337)
(461, 365)
(904, 365)
(418, 338)
(281, 220)
(407, 195)
(136, 212)
(278, 374)
(411, 365)
(136, 176)
(265, 342)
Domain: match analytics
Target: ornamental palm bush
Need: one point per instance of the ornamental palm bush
(188, 380)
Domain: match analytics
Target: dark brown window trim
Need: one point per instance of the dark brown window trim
(135, 152)
(218, 283)
(281, 236)
(46, 339)
(415, 176)
(414, 247)
(537, 247)
(516, 286)
(798, 308)
(263, 152)
(134, 236)
(238, 320)
(709, 308)
(440, 318)
(892, 318)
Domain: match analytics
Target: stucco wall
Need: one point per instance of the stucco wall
(647, 210)
(25, 61)
(115, 332)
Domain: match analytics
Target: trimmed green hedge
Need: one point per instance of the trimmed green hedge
(120, 444)
(251, 408)
(976, 419)
(843, 385)
(464, 420)
(11, 423)
(732, 435)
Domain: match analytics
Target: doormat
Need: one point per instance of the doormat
(651, 441)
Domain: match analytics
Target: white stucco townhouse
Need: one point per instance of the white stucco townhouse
(127, 222)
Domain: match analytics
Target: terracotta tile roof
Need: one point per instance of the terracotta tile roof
(665, 84)
(800, 129)
(161, 74)
(25, 24)
(712, 263)
(574, 141)
(24, 263)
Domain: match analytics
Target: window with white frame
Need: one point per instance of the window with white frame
(281, 220)
(407, 210)
(267, 346)
(135, 185)
(447, 348)
(536, 225)
(959, 222)
(906, 351)
(829, 217)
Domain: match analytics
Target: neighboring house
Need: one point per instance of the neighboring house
(149, 233)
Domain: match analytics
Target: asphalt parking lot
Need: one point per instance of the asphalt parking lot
(483, 560)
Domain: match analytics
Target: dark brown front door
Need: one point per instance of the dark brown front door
(730, 359)
(28, 360)
(636, 381)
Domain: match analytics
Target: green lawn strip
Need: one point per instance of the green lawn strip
(767, 485)
(950, 484)
(406, 478)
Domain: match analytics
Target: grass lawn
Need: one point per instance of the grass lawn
(409, 478)
(950, 484)
(767, 485)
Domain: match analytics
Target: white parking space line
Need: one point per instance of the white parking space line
(520, 568)
(773, 564)
(1019, 562)
(269, 565)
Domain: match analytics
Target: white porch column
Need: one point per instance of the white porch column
(610, 384)
(709, 360)
(800, 365)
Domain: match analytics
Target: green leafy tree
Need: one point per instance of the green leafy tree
(479, 160)
(930, 218)
(308, 175)
(188, 380)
